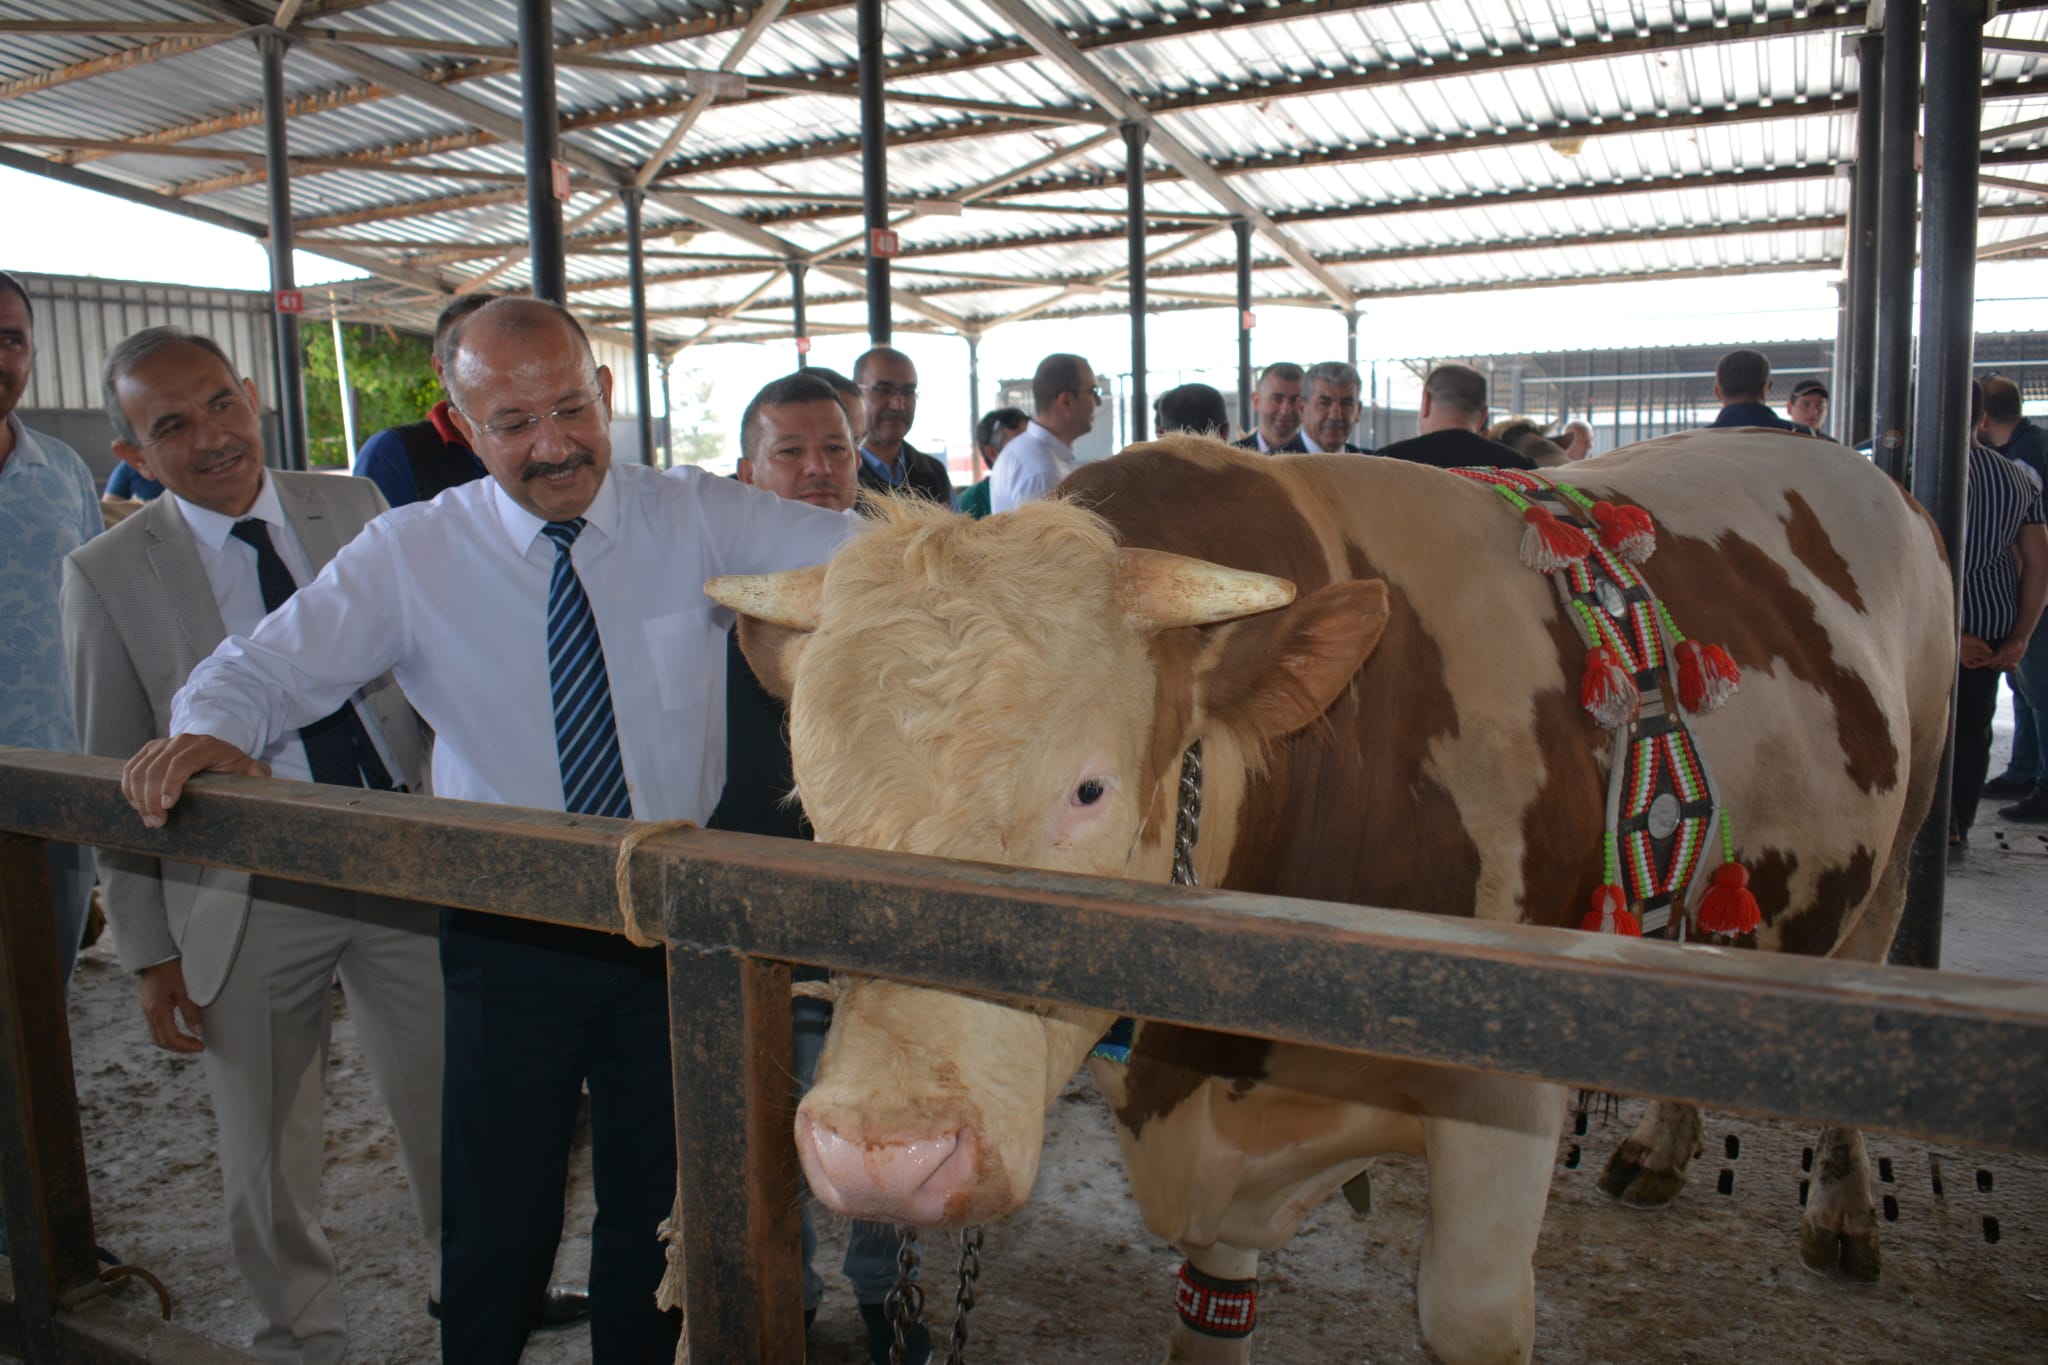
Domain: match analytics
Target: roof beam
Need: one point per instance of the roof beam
(621, 39)
(127, 59)
(768, 12)
(1061, 51)
(71, 175)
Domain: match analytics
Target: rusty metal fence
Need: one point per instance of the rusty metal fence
(1940, 1057)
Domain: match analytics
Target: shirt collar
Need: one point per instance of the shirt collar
(896, 477)
(444, 425)
(27, 449)
(212, 528)
(1045, 434)
(522, 527)
(1308, 442)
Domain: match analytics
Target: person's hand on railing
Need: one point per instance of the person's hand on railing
(163, 1001)
(155, 778)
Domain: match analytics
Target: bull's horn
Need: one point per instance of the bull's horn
(789, 598)
(1164, 590)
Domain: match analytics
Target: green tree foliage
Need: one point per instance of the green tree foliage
(694, 427)
(389, 373)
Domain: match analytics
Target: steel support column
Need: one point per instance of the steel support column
(1243, 228)
(291, 377)
(874, 167)
(634, 199)
(974, 463)
(543, 137)
(1853, 399)
(1135, 134)
(348, 407)
(1897, 238)
(668, 415)
(796, 308)
(1941, 418)
(1351, 337)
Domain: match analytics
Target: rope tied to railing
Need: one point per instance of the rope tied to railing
(622, 878)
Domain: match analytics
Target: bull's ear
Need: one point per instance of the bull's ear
(1267, 676)
(772, 652)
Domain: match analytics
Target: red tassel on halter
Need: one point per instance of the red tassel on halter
(1729, 907)
(1628, 531)
(1549, 544)
(1606, 691)
(1707, 676)
(1610, 914)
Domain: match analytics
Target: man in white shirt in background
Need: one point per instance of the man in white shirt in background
(1066, 395)
(547, 623)
(241, 969)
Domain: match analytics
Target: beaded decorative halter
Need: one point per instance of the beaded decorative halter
(1643, 677)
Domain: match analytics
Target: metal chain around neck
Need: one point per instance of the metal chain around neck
(963, 1301)
(905, 1304)
(1187, 820)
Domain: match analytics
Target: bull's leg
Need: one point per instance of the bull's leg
(1202, 1287)
(1838, 1236)
(1476, 1287)
(1648, 1170)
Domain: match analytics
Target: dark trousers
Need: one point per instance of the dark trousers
(534, 1011)
(1976, 705)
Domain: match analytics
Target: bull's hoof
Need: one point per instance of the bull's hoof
(1852, 1254)
(1640, 1186)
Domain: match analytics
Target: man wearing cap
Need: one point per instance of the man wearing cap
(1808, 405)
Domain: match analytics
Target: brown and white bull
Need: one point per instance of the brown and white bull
(1406, 732)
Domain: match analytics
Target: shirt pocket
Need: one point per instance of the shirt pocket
(680, 650)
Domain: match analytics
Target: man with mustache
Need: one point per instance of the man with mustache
(48, 508)
(231, 967)
(547, 624)
(1330, 408)
(888, 462)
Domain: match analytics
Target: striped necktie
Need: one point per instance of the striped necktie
(586, 732)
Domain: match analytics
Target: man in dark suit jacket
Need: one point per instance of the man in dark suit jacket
(1276, 406)
(1330, 408)
(888, 462)
(1742, 384)
(1453, 420)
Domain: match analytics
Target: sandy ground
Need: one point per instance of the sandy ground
(1075, 1277)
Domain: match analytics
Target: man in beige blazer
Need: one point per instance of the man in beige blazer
(236, 968)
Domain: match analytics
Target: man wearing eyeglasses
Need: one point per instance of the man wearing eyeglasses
(235, 969)
(888, 462)
(547, 623)
(1066, 395)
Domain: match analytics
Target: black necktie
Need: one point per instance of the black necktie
(338, 748)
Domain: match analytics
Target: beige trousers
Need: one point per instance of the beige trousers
(266, 1065)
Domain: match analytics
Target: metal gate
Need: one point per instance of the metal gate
(1946, 1058)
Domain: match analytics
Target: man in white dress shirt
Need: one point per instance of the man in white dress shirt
(1066, 395)
(241, 969)
(547, 623)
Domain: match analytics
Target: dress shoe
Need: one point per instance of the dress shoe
(2005, 784)
(2031, 810)
(882, 1336)
(561, 1308)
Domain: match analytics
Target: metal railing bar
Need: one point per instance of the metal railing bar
(1931, 1055)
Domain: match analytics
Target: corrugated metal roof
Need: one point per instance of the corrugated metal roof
(1436, 144)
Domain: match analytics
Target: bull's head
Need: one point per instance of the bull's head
(1017, 690)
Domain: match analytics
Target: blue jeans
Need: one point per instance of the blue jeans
(870, 1247)
(2030, 699)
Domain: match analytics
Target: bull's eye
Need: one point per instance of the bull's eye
(1089, 792)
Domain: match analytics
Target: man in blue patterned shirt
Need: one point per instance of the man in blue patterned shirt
(49, 506)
